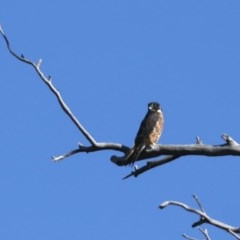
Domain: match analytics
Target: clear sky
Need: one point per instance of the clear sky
(109, 58)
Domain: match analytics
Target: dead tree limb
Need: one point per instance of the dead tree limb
(48, 82)
(95, 146)
(231, 147)
(170, 152)
(204, 217)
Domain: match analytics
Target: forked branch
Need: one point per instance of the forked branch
(169, 152)
(203, 217)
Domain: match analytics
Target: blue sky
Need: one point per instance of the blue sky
(109, 59)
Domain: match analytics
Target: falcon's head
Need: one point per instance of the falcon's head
(154, 107)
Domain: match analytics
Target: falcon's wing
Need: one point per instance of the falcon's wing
(142, 131)
(134, 154)
(139, 141)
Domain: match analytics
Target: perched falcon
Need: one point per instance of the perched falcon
(149, 132)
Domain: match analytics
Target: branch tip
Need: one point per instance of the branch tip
(199, 140)
(129, 175)
(163, 205)
(54, 159)
(39, 63)
(229, 140)
(198, 203)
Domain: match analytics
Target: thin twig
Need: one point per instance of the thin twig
(198, 203)
(188, 237)
(204, 231)
(97, 147)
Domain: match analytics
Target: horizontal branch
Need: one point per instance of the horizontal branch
(174, 151)
(229, 148)
(94, 148)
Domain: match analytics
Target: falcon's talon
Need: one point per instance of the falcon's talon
(149, 132)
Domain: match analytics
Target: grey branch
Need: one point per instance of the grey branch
(198, 203)
(173, 152)
(231, 147)
(48, 82)
(226, 149)
(204, 217)
(94, 148)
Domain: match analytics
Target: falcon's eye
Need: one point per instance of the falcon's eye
(153, 106)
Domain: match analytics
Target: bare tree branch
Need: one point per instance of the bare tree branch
(204, 218)
(173, 152)
(231, 147)
(198, 203)
(48, 82)
(97, 147)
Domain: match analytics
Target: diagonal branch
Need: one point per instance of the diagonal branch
(198, 203)
(151, 165)
(48, 82)
(204, 218)
(205, 233)
(93, 148)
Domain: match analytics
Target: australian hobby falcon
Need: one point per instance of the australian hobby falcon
(149, 132)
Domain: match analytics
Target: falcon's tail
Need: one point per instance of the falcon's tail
(134, 154)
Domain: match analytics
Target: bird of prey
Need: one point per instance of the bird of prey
(149, 132)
